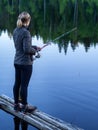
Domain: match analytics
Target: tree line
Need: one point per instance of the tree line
(51, 18)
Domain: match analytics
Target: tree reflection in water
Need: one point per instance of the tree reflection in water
(52, 18)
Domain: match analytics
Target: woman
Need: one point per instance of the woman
(23, 61)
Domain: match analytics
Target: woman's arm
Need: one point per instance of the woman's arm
(27, 47)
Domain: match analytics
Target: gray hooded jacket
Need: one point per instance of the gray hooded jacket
(23, 46)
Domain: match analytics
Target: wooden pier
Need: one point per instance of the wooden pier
(38, 119)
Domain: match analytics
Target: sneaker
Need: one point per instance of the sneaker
(27, 108)
(16, 107)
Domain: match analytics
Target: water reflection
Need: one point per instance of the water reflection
(71, 81)
(20, 123)
(75, 75)
(53, 18)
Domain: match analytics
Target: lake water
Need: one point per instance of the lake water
(64, 86)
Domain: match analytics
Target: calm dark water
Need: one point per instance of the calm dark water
(64, 86)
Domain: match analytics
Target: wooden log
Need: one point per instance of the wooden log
(36, 122)
(38, 119)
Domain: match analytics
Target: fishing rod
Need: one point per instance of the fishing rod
(49, 43)
(64, 34)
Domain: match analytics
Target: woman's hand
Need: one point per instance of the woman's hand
(38, 48)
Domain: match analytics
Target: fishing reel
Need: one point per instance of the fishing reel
(37, 55)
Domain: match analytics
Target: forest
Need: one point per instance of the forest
(51, 18)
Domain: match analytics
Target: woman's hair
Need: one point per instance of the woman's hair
(23, 19)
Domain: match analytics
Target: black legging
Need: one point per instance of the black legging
(22, 78)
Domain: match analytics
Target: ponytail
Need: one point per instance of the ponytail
(19, 23)
(23, 19)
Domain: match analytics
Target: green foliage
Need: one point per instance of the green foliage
(51, 18)
(62, 5)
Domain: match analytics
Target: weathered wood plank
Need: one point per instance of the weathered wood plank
(55, 121)
(38, 119)
(35, 121)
